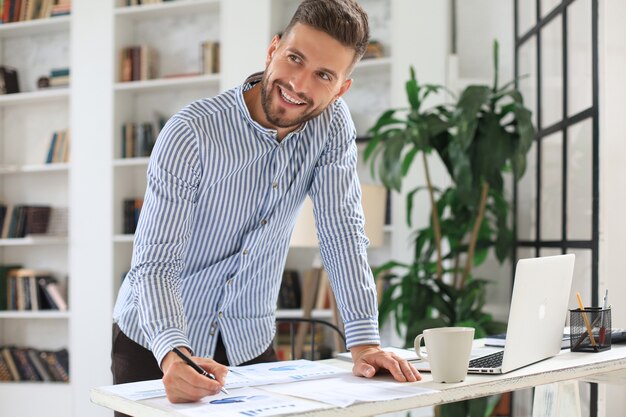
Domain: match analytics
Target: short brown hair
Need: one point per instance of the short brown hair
(344, 20)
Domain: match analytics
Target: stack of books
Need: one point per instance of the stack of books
(28, 364)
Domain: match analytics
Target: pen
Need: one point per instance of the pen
(196, 366)
(582, 308)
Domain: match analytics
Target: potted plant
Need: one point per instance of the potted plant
(486, 133)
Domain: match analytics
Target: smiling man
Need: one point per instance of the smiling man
(226, 181)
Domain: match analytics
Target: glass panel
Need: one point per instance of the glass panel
(551, 73)
(579, 181)
(527, 198)
(527, 84)
(579, 56)
(524, 253)
(551, 186)
(546, 6)
(527, 15)
(549, 251)
(582, 277)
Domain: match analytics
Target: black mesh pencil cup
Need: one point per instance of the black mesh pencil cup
(590, 329)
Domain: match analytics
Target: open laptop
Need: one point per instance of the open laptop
(536, 318)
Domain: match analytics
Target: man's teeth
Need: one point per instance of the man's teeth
(289, 99)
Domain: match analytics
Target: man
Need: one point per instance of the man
(226, 180)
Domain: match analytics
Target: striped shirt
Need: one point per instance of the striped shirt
(221, 202)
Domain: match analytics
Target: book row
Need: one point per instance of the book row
(140, 62)
(23, 10)
(138, 139)
(141, 2)
(59, 148)
(29, 290)
(28, 364)
(21, 220)
(131, 211)
(10, 84)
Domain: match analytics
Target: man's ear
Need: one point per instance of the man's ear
(272, 49)
(344, 88)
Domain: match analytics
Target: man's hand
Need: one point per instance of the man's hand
(370, 359)
(183, 384)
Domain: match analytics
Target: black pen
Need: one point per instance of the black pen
(196, 367)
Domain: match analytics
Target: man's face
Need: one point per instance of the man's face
(305, 72)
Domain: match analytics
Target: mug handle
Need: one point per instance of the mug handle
(418, 345)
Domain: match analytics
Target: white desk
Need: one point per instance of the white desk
(566, 366)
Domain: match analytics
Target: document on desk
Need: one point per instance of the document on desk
(280, 372)
(136, 391)
(240, 402)
(347, 389)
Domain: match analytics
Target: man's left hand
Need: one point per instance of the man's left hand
(370, 359)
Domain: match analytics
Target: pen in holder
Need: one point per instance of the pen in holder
(590, 329)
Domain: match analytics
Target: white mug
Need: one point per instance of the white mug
(448, 351)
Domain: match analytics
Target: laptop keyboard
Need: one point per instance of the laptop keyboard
(490, 361)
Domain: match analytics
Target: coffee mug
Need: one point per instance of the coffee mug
(448, 352)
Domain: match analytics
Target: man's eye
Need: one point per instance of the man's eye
(324, 76)
(294, 58)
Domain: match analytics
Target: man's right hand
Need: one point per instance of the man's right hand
(183, 384)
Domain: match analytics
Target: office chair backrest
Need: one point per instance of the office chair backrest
(298, 329)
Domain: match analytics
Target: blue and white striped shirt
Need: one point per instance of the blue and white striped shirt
(221, 203)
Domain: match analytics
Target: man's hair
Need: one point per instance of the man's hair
(343, 20)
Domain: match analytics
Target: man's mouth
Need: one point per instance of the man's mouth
(289, 99)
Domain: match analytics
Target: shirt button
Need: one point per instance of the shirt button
(212, 332)
(229, 282)
(245, 252)
(263, 222)
(220, 314)
(274, 185)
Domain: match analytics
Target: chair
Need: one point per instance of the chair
(298, 327)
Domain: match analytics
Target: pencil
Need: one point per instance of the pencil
(582, 308)
(196, 367)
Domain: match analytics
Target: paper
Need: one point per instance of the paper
(348, 389)
(279, 372)
(138, 390)
(247, 402)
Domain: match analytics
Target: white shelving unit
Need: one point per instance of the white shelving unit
(27, 121)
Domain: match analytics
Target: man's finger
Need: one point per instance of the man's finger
(364, 369)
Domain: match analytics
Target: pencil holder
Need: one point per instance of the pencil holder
(590, 329)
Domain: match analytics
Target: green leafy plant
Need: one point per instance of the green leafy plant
(486, 133)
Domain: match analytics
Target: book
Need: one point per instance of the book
(53, 291)
(289, 295)
(57, 364)
(8, 80)
(37, 219)
(5, 373)
(210, 57)
(33, 357)
(8, 359)
(24, 366)
(4, 273)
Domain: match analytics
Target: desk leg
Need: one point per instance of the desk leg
(557, 400)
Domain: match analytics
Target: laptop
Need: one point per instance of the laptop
(537, 315)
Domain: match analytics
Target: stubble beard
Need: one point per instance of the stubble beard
(277, 117)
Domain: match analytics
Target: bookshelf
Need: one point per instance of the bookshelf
(27, 121)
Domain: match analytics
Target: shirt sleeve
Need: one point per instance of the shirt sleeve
(336, 196)
(161, 237)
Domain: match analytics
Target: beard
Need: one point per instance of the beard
(278, 116)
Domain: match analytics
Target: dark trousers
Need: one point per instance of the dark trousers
(131, 362)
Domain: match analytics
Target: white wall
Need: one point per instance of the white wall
(613, 171)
